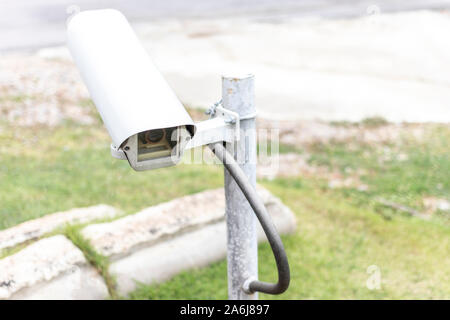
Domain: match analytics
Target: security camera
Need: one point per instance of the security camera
(146, 121)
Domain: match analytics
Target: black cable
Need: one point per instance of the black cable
(266, 222)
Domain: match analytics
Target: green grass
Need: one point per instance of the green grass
(100, 262)
(370, 122)
(404, 172)
(45, 171)
(340, 232)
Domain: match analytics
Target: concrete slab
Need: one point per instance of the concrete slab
(159, 242)
(35, 228)
(122, 236)
(52, 268)
(193, 249)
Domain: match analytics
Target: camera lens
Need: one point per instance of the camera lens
(154, 136)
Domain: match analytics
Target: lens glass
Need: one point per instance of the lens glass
(153, 144)
(154, 136)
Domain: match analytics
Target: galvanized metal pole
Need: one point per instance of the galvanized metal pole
(238, 95)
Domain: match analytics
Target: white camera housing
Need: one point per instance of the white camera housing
(144, 118)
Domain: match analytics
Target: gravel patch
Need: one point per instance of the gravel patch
(41, 91)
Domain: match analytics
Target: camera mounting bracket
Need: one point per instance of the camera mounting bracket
(224, 125)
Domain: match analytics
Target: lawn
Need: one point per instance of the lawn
(341, 231)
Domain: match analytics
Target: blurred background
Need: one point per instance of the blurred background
(359, 91)
(332, 60)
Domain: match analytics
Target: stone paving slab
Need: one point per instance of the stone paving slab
(194, 249)
(33, 229)
(149, 246)
(164, 260)
(80, 283)
(52, 268)
(120, 237)
(159, 242)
